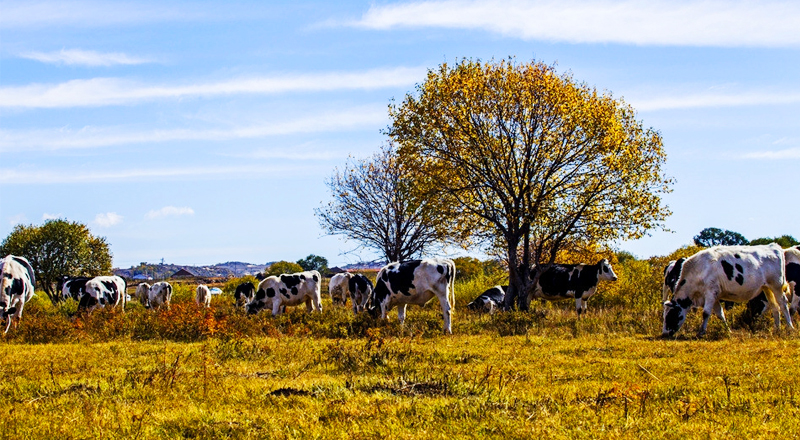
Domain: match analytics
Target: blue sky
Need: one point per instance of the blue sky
(203, 132)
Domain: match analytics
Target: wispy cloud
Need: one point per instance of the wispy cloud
(93, 137)
(169, 211)
(107, 219)
(116, 91)
(84, 58)
(27, 176)
(653, 22)
(17, 219)
(47, 216)
(713, 99)
(788, 153)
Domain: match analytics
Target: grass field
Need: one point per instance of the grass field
(189, 373)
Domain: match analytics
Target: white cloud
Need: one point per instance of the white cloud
(17, 219)
(92, 137)
(116, 91)
(27, 176)
(83, 58)
(653, 22)
(169, 211)
(47, 216)
(789, 153)
(713, 99)
(107, 219)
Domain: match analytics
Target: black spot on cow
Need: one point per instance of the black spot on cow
(379, 295)
(291, 280)
(385, 276)
(402, 278)
(283, 291)
(17, 287)
(3, 304)
(302, 277)
(740, 279)
(294, 291)
(737, 256)
(8, 275)
(261, 294)
(682, 283)
(102, 300)
(739, 268)
(11, 311)
(793, 273)
(315, 277)
(671, 278)
(109, 285)
(359, 284)
(440, 268)
(728, 268)
(270, 293)
(684, 303)
(560, 279)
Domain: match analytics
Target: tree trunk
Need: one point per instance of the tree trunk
(515, 287)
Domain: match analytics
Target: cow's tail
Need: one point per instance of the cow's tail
(451, 285)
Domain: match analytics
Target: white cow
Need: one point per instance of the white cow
(160, 295)
(415, 282)
(338, 287)
(102, 291)
(671, 274)
(276, 292)
(16, 289)
(732, 273)
(203, 297)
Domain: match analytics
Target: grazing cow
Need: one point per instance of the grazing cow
(143, 294)
(489, 300)
(244, 293)
(72, 287)
(360, 290)
(733, 273)
(16, 288)
(415, 282)
(203, 297)
(671, 274)
(103, 291)
(276, 292)
(792, 257)
(160, 295)
(567, 281)
(339, 286)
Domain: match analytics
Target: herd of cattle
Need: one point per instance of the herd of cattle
(760, 276)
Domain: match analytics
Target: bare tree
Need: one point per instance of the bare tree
(371, 203)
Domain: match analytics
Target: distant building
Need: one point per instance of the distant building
(183, 273)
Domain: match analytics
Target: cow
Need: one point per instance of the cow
(160, 295)
(72, 287)
(792, 257)
(671, 274)
(415, 282)
(490, 300)
(733, 273)
(339, 287)
(102, 291)
(567, 281)
(203, 297)
(276, 292)
(244, 293)
(16, 288)
(360, 288)
(143, 294)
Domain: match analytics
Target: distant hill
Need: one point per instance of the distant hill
(161, 271)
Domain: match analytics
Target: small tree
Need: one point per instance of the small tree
(314, 262)
(718, 237)
(785, 241)
(373, 204)
(281, 267)
(57, 248)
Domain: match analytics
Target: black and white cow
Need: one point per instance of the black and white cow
(733, 273)
(16, 289)
(415, 282)
(360, 288)
(143, 294)
(203, 296)
(671, 274)
(568, 281)
(72, 287)
(339, 287)
(160, 295)
(490, 300)
(102, 291)
(792, 257)
(276, 292)
(244, 293)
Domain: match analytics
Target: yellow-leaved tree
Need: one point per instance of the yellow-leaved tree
(530, 160)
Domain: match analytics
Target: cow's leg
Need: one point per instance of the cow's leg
(8, 323)
(708, 309)
(578, 308)
(720, 312)
(783, 304)
(276, 307)
(445, 303)
(308, 305)
(401, 313)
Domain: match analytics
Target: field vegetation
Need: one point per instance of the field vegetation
(218, 373)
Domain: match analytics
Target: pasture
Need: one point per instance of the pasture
(217, 373)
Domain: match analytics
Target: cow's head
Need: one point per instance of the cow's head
(244, 293)
(674, 315)
(379, 294)
(606, 271)
(267, 290)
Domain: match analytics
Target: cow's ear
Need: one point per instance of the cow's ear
(668, 304)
